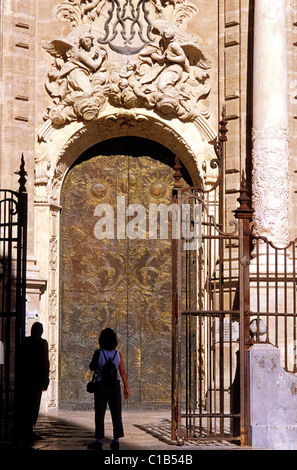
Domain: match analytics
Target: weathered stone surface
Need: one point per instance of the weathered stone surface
(272, 400)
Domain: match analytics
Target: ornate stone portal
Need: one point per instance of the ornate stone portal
(126, 69)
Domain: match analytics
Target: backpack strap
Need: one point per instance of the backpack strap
(114, 355)
(105, 355)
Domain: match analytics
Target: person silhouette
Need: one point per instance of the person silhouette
(107, 393)
(34, 373)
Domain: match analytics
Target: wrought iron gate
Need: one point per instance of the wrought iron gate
(13, 227)
(231, 289)
(209, 325)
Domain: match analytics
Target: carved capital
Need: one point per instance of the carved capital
(270, 133)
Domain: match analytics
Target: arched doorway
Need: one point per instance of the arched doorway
(121, 282)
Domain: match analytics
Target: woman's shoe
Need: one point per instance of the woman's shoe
(95, 446)
(114, 445)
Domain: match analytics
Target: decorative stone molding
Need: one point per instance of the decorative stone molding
(269, 133)
(53, 304)
(60, 152)
(270, 178)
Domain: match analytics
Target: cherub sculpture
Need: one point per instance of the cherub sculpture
(76, 79)
(174, 71)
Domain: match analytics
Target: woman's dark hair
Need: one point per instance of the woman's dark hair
(108, 339)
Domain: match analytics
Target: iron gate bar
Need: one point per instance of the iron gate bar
(214, 313)
(21, 280)
(280, 311)
(175, 300)
(272, 314)
(244, 215)
(13, 229)
(210, 415)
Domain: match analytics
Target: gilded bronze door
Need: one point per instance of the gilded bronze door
(121, 282)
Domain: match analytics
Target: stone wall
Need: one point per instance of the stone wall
(272, 417)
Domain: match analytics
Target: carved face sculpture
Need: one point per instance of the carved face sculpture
(168, 34)
(86, 42)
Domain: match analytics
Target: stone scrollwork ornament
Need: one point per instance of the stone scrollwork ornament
(128, 54)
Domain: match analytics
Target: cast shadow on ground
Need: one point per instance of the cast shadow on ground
(158, 431)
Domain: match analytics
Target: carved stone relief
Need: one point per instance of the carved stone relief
(127, 55)
(270, 184)
(120, 282)
(53, 304)
(129, 62)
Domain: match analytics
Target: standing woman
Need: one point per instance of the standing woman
(106, 393)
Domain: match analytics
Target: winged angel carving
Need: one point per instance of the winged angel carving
(76, 80)
(169, 74)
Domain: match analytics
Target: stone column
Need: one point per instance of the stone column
(270, 122)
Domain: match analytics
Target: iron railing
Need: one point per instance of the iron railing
(273, 309)
(232, 290)
(13, 236)
(206, 325)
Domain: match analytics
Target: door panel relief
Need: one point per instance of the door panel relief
(123, 283)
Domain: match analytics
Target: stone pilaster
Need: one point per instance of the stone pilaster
(270, 122)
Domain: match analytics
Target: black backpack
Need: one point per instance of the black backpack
(109, 374)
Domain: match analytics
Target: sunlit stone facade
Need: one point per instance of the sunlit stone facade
(74, 76)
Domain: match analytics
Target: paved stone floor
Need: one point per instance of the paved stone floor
(145, 430)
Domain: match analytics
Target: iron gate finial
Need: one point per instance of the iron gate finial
(223, 126)
(177, 174)
(22, 172)
(244, 210)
